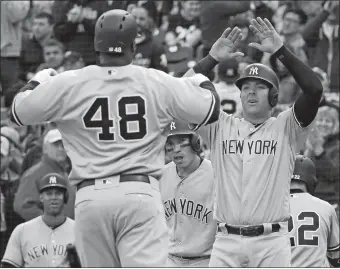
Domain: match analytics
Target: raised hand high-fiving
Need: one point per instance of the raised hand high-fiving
(270, 40)
(226, 46)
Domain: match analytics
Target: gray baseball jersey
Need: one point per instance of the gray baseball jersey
(188, 205)
(253, 167)
(314, 230)
(34, 244)
(112, 118)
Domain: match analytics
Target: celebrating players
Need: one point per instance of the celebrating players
(187, 191)
(42, 241)
(112, 118)
(253, 159)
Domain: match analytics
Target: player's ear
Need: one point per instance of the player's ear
(41, 198)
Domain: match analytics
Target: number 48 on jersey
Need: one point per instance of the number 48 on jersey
(105, 123)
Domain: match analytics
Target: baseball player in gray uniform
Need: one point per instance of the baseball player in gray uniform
(313, 225)
(187, 191)
(253, 159)
(42, 241)
(112, 118)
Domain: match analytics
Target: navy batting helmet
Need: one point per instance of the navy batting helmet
(115, 31)
(53, 180)
(264, 73)
(304, 170)
(181, 128)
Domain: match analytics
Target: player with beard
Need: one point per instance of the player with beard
(42, 241)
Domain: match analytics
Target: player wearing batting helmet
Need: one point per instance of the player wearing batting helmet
(187, 191)
(42, 241)
(253, 159)
(112, 118)
(313, 225)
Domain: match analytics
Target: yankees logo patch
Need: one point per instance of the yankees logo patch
(53, 180)
(253, 70)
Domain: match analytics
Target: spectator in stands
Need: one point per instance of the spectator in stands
(179, 58)
(154, 18)
(251, 55)
(323, 148)
(33, 143)
(73, 61)
(321, 34)
(12, 15)
(26, 202)
(8, 184)
(54, 52)
(278, 14)
(265, 9)
(32, 49)
(186, 24)
(215, 18)
(149, 53)
(311, 8)
(75, 21)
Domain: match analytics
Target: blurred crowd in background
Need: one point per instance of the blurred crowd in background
(174, 35)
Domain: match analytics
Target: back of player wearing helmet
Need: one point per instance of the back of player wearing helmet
(313, 225)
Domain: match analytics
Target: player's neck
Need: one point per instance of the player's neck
(53, 221)
(106, 60)
(255, 119)
(183, 172)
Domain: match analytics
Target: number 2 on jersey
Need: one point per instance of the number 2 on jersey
(104, 122)
(303, 228)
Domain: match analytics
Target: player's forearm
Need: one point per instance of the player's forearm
(304, 76)
(306, 106)
(203, 67)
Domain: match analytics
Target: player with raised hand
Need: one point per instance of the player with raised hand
(42, 241)
(253, 159)
(112, 118)
(313, 225)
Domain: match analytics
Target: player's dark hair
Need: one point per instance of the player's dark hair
(298, 11)
(45, 15)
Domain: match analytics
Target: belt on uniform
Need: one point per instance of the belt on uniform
(192, 258)
(250, 230)
(123, 178)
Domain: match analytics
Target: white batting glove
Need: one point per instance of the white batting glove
(44, 75)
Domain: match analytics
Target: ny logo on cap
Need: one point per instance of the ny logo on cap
(253, 70)
(172, 126)
(53, 180)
